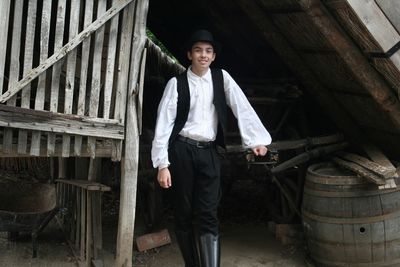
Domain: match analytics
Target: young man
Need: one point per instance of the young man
(191, 121)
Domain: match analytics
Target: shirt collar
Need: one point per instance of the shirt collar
(194, 77)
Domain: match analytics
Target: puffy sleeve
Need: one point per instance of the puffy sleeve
(166, 115)
(251, 128)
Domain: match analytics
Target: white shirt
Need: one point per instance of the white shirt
(201, 124)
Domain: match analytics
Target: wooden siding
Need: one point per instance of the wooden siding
(72, 65)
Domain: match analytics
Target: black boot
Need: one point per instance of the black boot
(188, 248)
(209, 250)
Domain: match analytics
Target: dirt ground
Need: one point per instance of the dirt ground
(242, 246)
(245, 238)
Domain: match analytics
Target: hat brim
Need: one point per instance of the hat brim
(216, 45)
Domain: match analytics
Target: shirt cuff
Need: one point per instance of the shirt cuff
(162, 166)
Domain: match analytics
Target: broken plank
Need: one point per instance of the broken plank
(370, 165)
(360, 171)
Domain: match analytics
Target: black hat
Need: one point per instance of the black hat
(202, 36)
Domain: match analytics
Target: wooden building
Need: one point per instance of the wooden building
(73, 74)
(70, 87)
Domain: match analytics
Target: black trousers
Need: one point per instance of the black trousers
(195, 174)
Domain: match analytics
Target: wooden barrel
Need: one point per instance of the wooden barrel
(348, 221)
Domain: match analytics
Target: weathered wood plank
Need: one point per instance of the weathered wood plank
(14, 65)
(59, 54)
(102, 150)
(123, 63)
(377, 155)
(55, 82)
(40, 91)
(59, 123)
(94, 166)
(97, 60)
(84, 72)
(370, 165)
(83, 224)
(71, 67)
(357, 63)
(123, 73)
(96, 74)
(89, 236)
(4, 18)
(378, 25)
(360, 171)
(130, 161)
(28, 61)
(111, 56)
(140, 93)
(376, 22)
(391, 8)
(85, 184)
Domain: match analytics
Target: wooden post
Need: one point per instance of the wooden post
(130, 160)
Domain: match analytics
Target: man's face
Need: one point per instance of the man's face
(201, 55)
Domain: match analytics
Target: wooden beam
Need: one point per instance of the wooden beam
(286, 51)
(131, 158)
(19, 118)
(30, 76)
(85, 184)
(358, 64)
(391, 8)
(103, 151)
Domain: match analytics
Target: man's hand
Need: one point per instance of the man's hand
(164, 178)
(260, 150)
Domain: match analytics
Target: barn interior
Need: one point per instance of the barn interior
(315, 71)
(310, 69)
(293, 76)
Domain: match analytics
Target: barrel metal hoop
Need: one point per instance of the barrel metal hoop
(341, 194)
(362, 220)
(335, 180)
